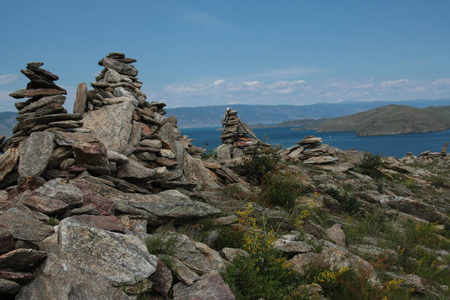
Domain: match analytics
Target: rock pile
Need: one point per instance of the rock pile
(43, 111)
(102, 177)
(146, 144)
(311, 151)
(236, 137)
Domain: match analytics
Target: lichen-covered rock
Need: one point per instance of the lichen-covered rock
(24, 227)
(35, 153)
(210, 286)
(112, 124)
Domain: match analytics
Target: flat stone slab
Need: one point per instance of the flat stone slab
(35, 153)
(36, 92)
(21, 259)
(24, 227)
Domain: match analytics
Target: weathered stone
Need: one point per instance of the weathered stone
(289, 246)
(162, 279)
(133, 169)
(21, 259)
(6, 241)
(43, 203)
(148, 156)
(336, 234)
(119, 67)
(92, 156)
(38, 80)
(195, 255)
(336, 258)
(112, 76)
(35, 153)
(58, 279)
(167, 204)
(8, 162)
(51, 108)
(35, 67)
(210, 286)
(195, 171)
(25, 245)
(79, 106)
(21, 277)
(181, 271)
(112, 124)
(109, 223)
(231, 254)
(28, 124)
(36, 93)
(120, 259)
(42, 103)
(223, 152)
(310, 140)
(166, 162)
(94, 201)
(320, 160)
(24, 227)
(118, 100)
(117, 157)
(151, 143)
(8, 287)
(419, 209)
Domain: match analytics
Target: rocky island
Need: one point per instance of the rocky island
(112, 200)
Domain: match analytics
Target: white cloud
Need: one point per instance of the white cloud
(218, 82)
(395, 83)
(251, 91)
(442, 81)
(251, 83)
(8, 78)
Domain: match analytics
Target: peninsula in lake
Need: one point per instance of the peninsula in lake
(391, 119)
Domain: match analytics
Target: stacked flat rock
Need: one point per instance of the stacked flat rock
(116, 83)
(311, 151)
(44, 110)
(236, 136)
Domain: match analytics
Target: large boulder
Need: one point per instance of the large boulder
(210, 286)
(89, 263)
(112, 124)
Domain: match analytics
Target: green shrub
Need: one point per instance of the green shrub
(371, 165)
(264, 274)
(347, 198)
(282, 190)
(262, 160)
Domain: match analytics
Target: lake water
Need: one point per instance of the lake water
(387, 145)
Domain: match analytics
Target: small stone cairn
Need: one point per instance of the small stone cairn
(43, 111)
(236, 137)
(310, 151)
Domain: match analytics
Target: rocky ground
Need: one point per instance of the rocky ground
(113, 201)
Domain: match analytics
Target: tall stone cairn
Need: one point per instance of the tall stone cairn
(236, 136)
(44, 110)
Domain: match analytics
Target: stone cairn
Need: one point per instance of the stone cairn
(43, 111)
(236, 137)
(117, 154)
(311, 151)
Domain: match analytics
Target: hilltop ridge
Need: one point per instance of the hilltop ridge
(391, 119)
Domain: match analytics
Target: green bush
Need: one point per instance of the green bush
(347, 198)
(282, 190)
(371, 165)
(262, 160)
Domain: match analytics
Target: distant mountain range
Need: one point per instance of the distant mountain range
(391, 119)
(211, 116)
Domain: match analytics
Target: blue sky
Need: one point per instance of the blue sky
(197, 53)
